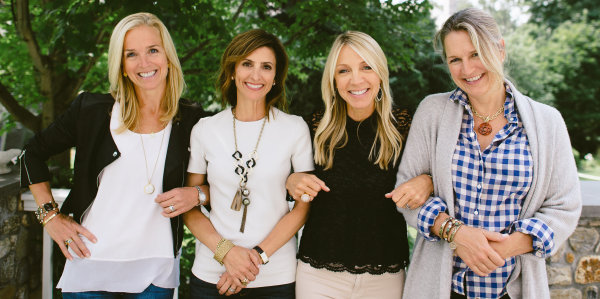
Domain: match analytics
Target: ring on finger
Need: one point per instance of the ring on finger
(407, 206)
(244, 281)
(305, 197)
(232, 289)
(68, 241)
(172, 208)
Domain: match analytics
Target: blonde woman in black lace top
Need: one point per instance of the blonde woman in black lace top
(354, 242)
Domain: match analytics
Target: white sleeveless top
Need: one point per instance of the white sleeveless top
(134, 247)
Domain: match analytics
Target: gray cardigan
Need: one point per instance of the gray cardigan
(554, 196)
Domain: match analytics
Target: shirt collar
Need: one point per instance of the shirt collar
(510, 112)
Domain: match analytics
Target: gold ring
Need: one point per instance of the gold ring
(245, 281)
(68, 241)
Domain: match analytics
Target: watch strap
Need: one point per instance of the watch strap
(262, 254)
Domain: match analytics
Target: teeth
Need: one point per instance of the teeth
(473, 79)
(254, 85)
(358, 92)
(148, 74)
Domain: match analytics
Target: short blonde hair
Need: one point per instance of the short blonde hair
(331, 132)
(122, 89)
(239, 48)
(485, 36)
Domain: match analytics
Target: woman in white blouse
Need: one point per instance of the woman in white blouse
(246, 153)
(125, 235)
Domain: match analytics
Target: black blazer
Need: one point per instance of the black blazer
(86, 126)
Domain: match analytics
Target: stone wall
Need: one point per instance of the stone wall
(574, 271)
(20, 244)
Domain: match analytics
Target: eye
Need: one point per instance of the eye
(129, 54)
(342, 71)
(246, 64)
(454, 60)
(475, 54)
(267, 67)
(153, 50)
(367, 67)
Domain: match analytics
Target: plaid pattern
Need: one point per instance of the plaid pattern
(490, 187)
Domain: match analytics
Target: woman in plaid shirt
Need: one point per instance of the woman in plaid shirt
(506, 189)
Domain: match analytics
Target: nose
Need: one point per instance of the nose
(467, 66)
(255, 73)
(356, 77)
(144, 60)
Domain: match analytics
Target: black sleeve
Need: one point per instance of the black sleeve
(58, 137)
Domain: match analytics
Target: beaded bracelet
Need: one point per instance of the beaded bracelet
(453, 233)
(452, 225)
(223, 248)
(442, 226)
(448, 227)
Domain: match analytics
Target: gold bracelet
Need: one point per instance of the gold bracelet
(448, 227)
(443, 225)
(223, 248)
(49, 218)
(453, 233)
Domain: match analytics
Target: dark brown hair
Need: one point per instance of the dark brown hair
(239, 48)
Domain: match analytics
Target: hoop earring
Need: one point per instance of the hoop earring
(379, 96)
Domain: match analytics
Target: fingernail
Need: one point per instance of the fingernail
(87, 254)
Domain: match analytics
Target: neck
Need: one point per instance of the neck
(150, 101)
(360, 114)
(490, 102)
(246, 110)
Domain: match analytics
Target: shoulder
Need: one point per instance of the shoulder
(89, 99)
(190, 111)
(435, 101)
(286, 119)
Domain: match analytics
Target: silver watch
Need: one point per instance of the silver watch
(201, 196)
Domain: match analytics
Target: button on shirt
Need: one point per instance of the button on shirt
(490, 187)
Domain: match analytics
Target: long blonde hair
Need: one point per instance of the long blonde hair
(122, 89)
(331, 133)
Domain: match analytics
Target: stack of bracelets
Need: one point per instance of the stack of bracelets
(448, 230)
(223, 248)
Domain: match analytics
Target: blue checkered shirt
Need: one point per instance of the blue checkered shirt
(490, 187)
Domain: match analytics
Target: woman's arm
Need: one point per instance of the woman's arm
(240, 262)
(413, 193)
(300, 183)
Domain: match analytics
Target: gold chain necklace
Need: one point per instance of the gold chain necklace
(485, 128)
(241, 196)
(149, 188)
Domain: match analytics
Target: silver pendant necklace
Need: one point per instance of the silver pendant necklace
(149, 188)
(241, 196)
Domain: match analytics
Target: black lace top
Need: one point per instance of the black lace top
(354, 227)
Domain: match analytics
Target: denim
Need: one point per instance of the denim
(200, 289)
(151, 292)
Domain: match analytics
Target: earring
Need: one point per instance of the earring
(125, 75)
(231, 78)
(379, 96)
(273, 83)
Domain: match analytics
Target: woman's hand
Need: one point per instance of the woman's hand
(67, 234)
(515, 244)
(242, 265)
(299, 183)
(473, 247)
(226, 286)
(413, 193)
(179, 200)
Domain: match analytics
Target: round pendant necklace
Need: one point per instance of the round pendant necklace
(485, 128)
(241, 196)
(149, 188)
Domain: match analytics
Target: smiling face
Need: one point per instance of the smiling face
(357, 83)
(144, 59)
(466, 68)
(255, 74)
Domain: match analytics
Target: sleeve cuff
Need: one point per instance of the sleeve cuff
(427, 216)
(542, 235)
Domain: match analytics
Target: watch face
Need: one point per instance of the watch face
(49, 206)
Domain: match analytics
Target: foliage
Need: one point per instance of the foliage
(552, 13)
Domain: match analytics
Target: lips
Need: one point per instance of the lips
(254, 86)
(147, 74)
(359, 92)
(473, 79)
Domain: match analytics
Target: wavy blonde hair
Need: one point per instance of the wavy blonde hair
(122, 89)
(484, 34)
(331, 133)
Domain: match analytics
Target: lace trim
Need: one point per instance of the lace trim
(401, 115)
(339, 267)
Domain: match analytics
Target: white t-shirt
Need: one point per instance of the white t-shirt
(285, 145)
(134, 247)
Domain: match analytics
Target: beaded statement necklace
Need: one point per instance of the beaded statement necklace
(241, 196)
